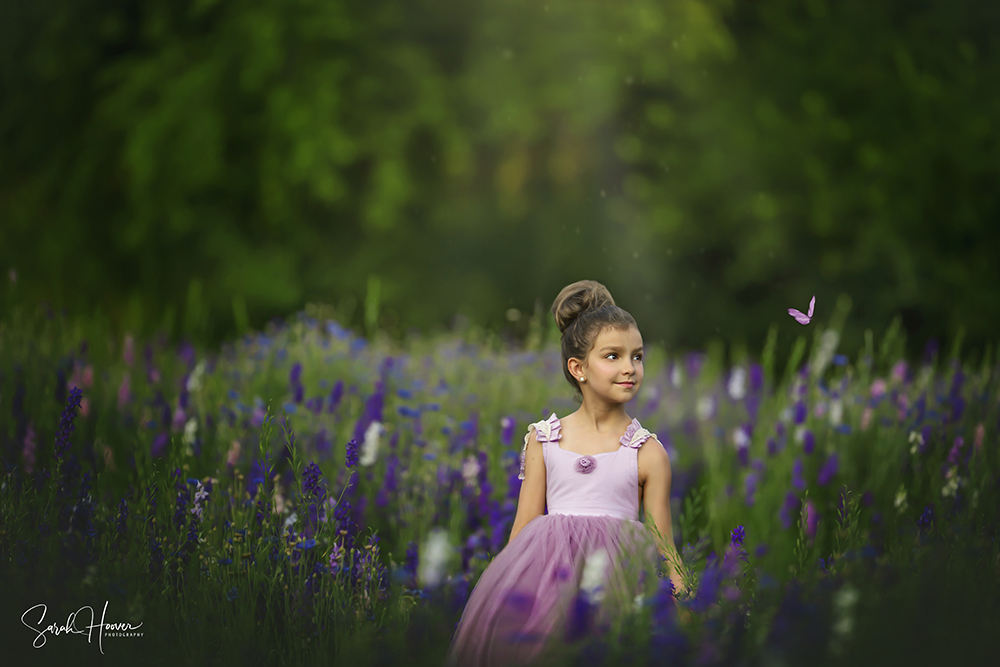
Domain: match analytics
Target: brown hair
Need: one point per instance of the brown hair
(581, 310)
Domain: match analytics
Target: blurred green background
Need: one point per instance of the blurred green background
(200, 166)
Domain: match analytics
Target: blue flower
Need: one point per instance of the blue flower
(927, 518)
(232, 594)
(225, 561)
(305, 545)
(407, 411)
(737, 535)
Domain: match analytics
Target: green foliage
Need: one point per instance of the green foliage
(202, 166)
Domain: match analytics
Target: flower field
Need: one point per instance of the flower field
(307, 496)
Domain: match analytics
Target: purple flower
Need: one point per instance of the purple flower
(812, 519)
(737, 536)
(772, 447)
(931, 350)
(310, 481)
(507, 431)
(352, 453)
(756, 377)
(586, 464)
(750, 488)
(581, 617)
(797, 481)
(808, 442)
(336, 394)
(66, 425)
(829, 470)
(800, 412)
(693, 363)
(788, 510)
(955, 450)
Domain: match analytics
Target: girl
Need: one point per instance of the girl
(593, 469)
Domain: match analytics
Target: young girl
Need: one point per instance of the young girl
(593, 469)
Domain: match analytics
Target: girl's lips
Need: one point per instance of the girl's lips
(626, 384)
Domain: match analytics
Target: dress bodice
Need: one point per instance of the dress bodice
(592, 484)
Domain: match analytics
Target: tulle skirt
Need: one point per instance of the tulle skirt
(519, 609)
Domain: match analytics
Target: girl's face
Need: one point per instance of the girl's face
(613, 367)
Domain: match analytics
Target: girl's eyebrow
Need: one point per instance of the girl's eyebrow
(615, 348)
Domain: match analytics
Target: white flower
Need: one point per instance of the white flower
(800, 433)
(705, 407)
(676, 376)
(846, 598)
(740, 437)
(827, 346)
(836, 412)
(470, 471)
(194, 380)
(951, 486)
(290, 521)
(843, 603)
(900, 501)
(737, 386)
(638, 601)
(433, 558)
(786, 415)
(190, 431)
(592, 582)
(369, 448)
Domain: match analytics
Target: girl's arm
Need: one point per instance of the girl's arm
(656, 503)
(531, 502)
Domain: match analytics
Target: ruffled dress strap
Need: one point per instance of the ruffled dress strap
(635, 435)
(548, 430)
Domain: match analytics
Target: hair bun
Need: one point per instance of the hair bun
(577, 298)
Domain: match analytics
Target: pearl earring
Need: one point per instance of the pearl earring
(582, 378)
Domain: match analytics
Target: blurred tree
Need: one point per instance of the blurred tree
(206, 164)
(850, 147)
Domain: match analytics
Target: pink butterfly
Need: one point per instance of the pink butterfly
(800, 317)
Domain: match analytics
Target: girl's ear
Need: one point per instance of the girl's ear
(575, 367)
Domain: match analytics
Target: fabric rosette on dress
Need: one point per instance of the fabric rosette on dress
(586, 464)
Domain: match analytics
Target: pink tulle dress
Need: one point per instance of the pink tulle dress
(520, 606)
